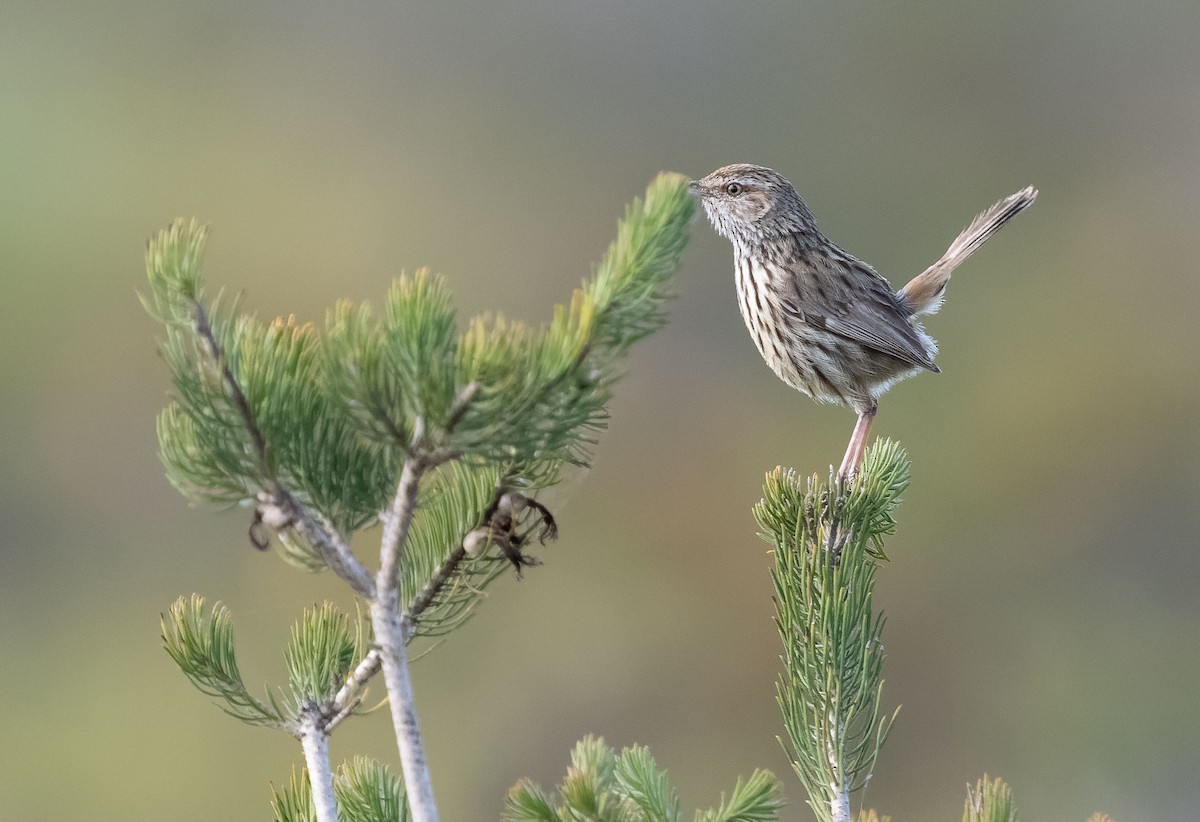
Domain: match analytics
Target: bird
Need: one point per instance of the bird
(826, 322)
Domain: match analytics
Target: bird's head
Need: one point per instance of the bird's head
(748, 203)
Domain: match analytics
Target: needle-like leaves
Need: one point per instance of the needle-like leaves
(324, 648)
(201, 643)
(990, 801)
(628, 787)
(827, 543)
(366, 791)
(452, 503)
(450, 436)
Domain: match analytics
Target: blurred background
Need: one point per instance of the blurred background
(1042, 607)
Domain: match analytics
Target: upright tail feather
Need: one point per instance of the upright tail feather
(923, 294)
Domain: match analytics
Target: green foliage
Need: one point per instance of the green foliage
(314, 428)
(990, 801)
(628, 289)
(173, 265)
(420, 336)
(756, 799)
(368, 792)
(205, 445)
(542, 392)
(250, 408)
(386, 372)
(324, 648)
(452, 502)
(322, 653)
(365, 790)
(330, 415)
(603, 786)
(360, 375)
(538, 397)
(293, 802)
(827, 540)
(873, 501)
(202, 646)
(647, 787)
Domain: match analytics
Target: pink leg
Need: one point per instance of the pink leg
(857, 447)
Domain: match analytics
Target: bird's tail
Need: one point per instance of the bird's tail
(923, 294)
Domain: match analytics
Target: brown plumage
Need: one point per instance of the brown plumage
(824, 321)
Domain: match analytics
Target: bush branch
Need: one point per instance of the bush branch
(314, 738)
(321, 534)
(349, 695)
(396, 522)
(429, 593)
(392, 631)
(204, 329)
(392, 636)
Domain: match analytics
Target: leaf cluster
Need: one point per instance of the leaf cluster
(249, 409)
(604, 786)
(989, 801)
(827, 543)
(365, 791)
(389, 417)
(201, 644)
(330, 413)
(451, 503)
(325, 646)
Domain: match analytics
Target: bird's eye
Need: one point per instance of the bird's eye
(733, 189)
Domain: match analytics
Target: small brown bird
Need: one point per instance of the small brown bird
(824, 321)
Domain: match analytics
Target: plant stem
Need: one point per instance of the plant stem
(332, 546)
(391, 634)
(321, 535)
(315, 741)
(350, 694)
(429, 593)
(839, 804)
(839, 796)
(395, 526)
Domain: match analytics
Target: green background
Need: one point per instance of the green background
(1042, 605)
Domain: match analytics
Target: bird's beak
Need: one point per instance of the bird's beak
(696, 187)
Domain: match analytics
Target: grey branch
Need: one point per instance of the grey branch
(349, 696)
(314, 738)
(392, 636)
(320, 533)
(323, 536)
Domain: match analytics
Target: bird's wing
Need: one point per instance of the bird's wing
(868, 312)
(891, 337)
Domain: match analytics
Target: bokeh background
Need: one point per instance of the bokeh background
(1042, 600)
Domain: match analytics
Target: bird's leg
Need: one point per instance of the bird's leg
(858, 445)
